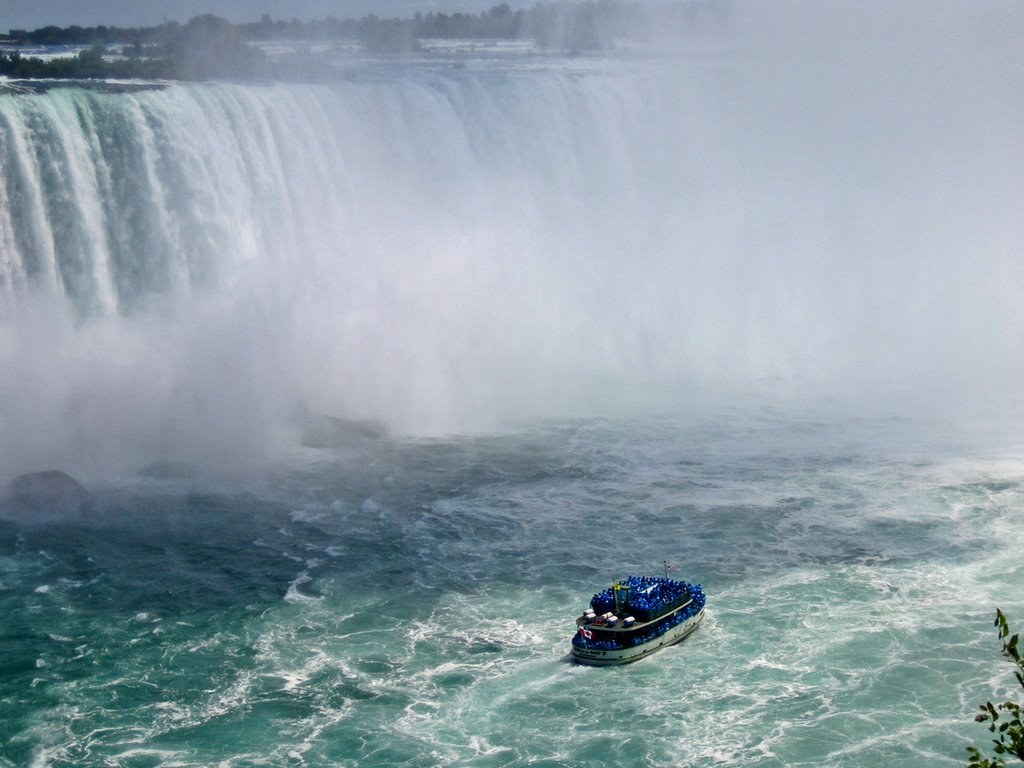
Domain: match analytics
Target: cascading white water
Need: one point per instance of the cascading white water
(444, 248)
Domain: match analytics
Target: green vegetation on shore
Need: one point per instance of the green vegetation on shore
(87, 64)
(207, 46)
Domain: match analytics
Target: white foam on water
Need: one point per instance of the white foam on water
(839, 581)
(293, 594)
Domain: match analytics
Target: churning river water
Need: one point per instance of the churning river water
(411, 602)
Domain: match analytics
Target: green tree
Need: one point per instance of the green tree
(209, 46)
(90, 62)
(1004, 719)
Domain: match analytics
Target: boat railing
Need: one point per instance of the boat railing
(597, 623)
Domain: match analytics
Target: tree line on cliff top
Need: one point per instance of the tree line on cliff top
(208, 46)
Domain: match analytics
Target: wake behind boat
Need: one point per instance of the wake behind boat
(636, 617)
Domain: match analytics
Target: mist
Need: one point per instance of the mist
(796, 203)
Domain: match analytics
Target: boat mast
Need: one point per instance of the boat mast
(621, 592)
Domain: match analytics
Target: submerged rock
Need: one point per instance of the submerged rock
(50, 492)
(320, 430)
(169, 470)
(331, 432)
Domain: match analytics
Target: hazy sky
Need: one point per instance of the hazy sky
(30, 14)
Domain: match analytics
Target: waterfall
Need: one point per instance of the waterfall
(447, 247)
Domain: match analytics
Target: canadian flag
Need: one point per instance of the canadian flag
(586, 633)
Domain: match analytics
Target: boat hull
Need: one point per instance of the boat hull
(604, 658)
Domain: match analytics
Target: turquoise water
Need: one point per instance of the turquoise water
(411, 602)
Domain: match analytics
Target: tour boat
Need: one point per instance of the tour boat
(636, 617)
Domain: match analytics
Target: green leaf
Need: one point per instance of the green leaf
(1011, 647)
(1004, 627)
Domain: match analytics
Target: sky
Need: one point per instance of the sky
(32, 14)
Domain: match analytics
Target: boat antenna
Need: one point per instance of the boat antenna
(665, 563)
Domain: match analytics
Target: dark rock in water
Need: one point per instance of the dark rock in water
(332, 432)
(168, 470)
(8, 538)
(320, 430)
(51, 492)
